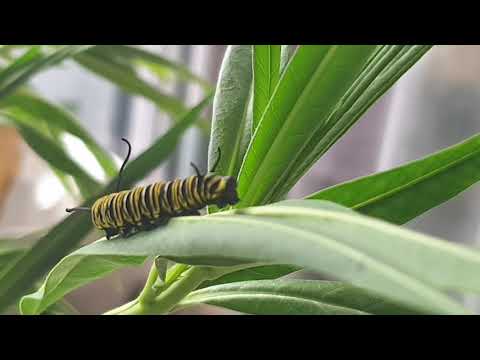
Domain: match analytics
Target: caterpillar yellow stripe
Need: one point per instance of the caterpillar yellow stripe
(145, 207)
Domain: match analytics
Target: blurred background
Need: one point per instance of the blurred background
(434, 105)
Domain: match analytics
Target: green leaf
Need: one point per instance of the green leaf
(41, 110)
(308, 92)
(131, 55)
(403, 266)
(231, 122)
(68, 233)
(23, 69)
(384, 68)
(405, 192)
(70, 274)
(294, 297)
(10, 252)
(6, 51)
(255, 273)
(126, 78)
(52, 152)
(266, 73)
(62, 307)
(286, 54)
(15, 68)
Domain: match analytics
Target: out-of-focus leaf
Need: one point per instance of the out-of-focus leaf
(64, 236)
(131, 54)
(57, 118)
(52, 152)
(9, 253)
(22, 70)
(62, 307)
(408, 268)
(126, 78)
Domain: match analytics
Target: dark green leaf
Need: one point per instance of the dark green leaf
(41, 110)
(309, 90)
(295, 297)
(255, 273)
(405, 192)
(266, 73)
(403, 266)
(67, 234)
(384, 68)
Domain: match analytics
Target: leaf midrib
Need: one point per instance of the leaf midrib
(226, 295)
(416, 181)
(291, 114)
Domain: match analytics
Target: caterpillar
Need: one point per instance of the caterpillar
(147, 207)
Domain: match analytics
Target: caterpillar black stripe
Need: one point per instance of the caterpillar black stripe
(146, 207)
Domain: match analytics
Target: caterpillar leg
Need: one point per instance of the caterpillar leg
(191, 213)
(151, 224)
(147, 226)
(109, 233)
(126, 231)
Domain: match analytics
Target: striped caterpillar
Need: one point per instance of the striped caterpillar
(147, 207)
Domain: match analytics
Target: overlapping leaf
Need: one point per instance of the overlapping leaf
(309, 90)
(40, 110)
(232, 115)
(63, 237)
(387, 64)
(400, 265)
(294, 297)
(405, 192)
(266, 70)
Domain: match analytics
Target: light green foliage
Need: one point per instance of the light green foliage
(275, 113)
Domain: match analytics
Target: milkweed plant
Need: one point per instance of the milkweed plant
(276, 110)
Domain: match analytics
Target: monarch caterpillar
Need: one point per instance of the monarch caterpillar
(146, 207)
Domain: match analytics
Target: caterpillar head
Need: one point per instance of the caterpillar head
(224, 191)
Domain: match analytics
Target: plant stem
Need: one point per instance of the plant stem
(122, 309)
(177, 288)
(192, 278)
(148, 293)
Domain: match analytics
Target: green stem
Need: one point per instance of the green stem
(190, 280)
(177, 288)
(174, 273)
(148, 293)
(122, 309)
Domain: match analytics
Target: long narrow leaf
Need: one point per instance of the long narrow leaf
(125, 76)
(130, 54)
(36, 64)
(57, 117)
(352, 108)
(403, 266)
(231, 122)
(67, 234)
(405, 192)
(54, 154)
(266, 73)
(254, 273)
(294, 297)
(308, 91)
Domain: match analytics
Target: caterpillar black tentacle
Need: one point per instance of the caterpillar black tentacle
(146, 207)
